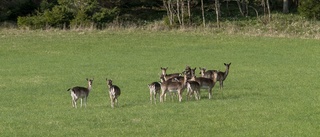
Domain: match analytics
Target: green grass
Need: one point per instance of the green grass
(272, 88)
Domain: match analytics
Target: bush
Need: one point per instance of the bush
(65, 15)
(310, 9)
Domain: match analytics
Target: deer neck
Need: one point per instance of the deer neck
(226, 73)
(164, 72)
(89, 87)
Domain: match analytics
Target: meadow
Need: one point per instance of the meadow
(272, 88)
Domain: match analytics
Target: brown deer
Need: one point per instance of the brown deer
(114, 92)
(80, 92)
(168, 76)
(154, 88)
(193, 87)
(173, 85)
(212, 74)
(221, 76)
(205, 83)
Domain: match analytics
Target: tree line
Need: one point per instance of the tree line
(175, 13)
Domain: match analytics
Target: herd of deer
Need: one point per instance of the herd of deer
(177, 82)
(172, 83)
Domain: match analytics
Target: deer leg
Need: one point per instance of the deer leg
(112, 102)
(81, 101)
(210, 93)
(180, 95)
(75, 103)
(151, 97)
(116, 100)
(155, 98)
(161, 96)
(72, 103)
(196, 96)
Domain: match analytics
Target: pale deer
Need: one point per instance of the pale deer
(205, 83)
(221, 76)
(193, 87)
(154, 88)
(80, 92)
(171, 86)
(114, 92)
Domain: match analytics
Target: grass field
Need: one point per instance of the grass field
(272, 88)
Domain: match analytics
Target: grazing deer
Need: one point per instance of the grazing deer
(212, 74)
(114, 92)
(154, 88)
(205, 83)
(172, 86)
(80, 92)
(193, 87)
(221, 76)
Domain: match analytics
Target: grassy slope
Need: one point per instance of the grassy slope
(271, 90)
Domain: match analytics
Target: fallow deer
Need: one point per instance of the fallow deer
(154, 88)
(80, 92)
(221, 76)
(171, 86)
(114, 92)
(212, 74)
(168, 76)
(193, 87)
(205, 83)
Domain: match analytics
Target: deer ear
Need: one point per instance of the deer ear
(224, 63)
(87, 79)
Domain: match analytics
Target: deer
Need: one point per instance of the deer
(168, 76)
(172, 93)
(171, 86)
(208, 73)
(154, 88)
(114, 92)
(205, 83)
(193, 87)
(80, 92)
(221, 76)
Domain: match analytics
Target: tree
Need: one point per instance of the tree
(203, 18)
(217, 9)
(285, 6)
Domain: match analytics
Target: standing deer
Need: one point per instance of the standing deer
(189, 71)
(114, 92)
(193, 87)
(221, 76)
(80, 92)
(167, 76)
(154, 88)
(205, 83)
(212, 74)
(171, 86)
